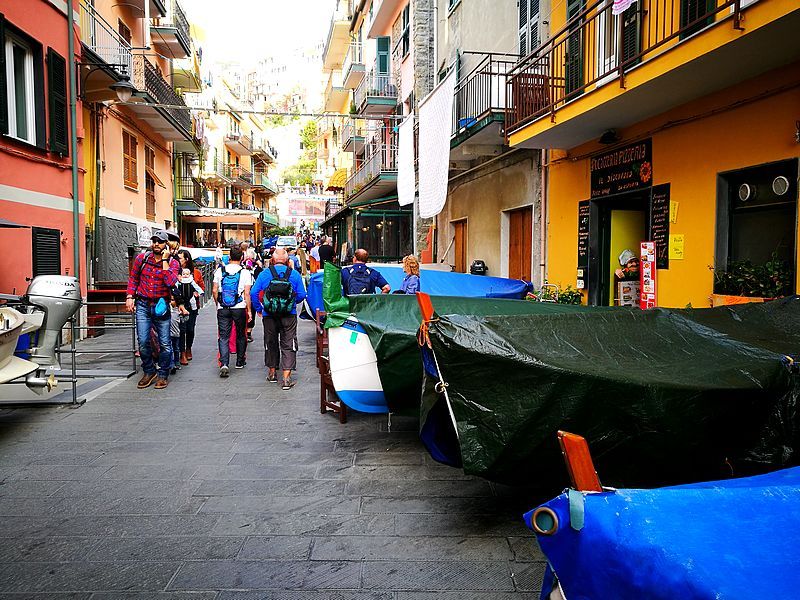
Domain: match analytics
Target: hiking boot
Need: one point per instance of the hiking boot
(146, 380)
(184, 359)
(188, 355)
(288, 383)
(272, 377)
(161, 383)
(223, 371)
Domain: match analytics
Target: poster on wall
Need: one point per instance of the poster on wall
(584, 209)
(144, 232)
(647, 275)
(659, 223)
(622, 170)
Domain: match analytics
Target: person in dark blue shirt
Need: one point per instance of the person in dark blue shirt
(361, 279)
(280, 330)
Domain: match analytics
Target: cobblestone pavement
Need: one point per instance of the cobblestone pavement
(236, 490)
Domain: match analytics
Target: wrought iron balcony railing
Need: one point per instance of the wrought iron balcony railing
(263, 181)
(100, 37)
(482, 91)
(332, 207)
(190, 190)
(596, 46)
(382, 159)
(375, 86)
(148, 79)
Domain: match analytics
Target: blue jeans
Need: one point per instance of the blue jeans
(145, 319)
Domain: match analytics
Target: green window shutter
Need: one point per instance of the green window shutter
(383, 55)
(3, 88)
(39, 97)
(57, 100)
(630, 33)
(573, 67)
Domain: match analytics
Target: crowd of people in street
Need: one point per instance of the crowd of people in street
(166, 291)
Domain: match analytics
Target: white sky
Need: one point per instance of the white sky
(245, 31)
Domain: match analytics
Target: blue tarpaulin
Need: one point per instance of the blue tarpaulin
(737, 538)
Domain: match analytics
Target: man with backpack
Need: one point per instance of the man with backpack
(282, 289)
(358, 278)
(231, 292)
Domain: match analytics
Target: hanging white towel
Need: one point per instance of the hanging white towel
(435, 123)
(406, 183)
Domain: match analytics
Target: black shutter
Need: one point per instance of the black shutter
(630, 33)
(523, 27)
(46, 251)
(3, 88)
(691, 10)
(57, 97)
(573, 67)
(40, 115)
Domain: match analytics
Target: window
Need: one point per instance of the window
(451, 4)
(129, 166)
(20, 89)
(405, 35)
(528, 26)
(46, 251)
(150, 183)
(124, 32)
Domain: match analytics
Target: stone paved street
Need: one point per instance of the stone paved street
(234, 489)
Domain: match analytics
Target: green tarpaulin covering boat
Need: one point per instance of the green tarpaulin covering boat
(661, 395)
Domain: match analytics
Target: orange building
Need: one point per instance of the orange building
(674, 122)
(35, 155)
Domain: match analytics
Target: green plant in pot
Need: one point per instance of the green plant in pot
(742, 278)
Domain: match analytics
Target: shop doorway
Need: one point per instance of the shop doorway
(621, 223)
(520, 239)
(460, 246)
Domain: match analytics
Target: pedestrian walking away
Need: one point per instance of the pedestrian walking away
(282, 289)
(361, 279)
(326, 251)
(152, 276)
(231, 292)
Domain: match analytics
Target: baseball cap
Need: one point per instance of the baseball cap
(173, 236)
(160, 236)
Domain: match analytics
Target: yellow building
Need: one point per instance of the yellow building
(676, 122)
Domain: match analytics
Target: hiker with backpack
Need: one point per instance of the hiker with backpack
(358, 278)
(231, 292)
(282, 289)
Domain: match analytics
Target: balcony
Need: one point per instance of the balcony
(103, 47)
(262, 183)
(262, 150)
(171, 34)
(238, 143)
(383, 17)
(173, 124)
(376, 177)
(190, 189)
(604, 72)
(332, 206)
(157, 7)
(336, 95)
(353, 66)
(479, 107)
(376, 94)
(240, 177)
(353, 134)
(338, 38)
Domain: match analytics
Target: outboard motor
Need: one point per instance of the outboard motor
(59, 296)
(478, 267)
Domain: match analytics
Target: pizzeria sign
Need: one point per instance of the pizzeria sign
(622, 170)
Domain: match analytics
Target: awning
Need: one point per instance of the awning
(337, 181)
(270, 219)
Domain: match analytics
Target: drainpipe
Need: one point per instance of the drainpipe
(73, 117)
(175, 194)
(543, 225)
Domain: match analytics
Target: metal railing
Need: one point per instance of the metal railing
(241, 174)
(262, 180)
(332, 207)
(147, 78)
(353, 128)
(355, 55)
(482, 91)
(375, 86)
(181, 23)
(382, 159)
(101, 38)
(595, 47)
(189, 189)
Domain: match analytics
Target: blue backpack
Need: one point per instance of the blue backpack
(359, 282)
(229, 295)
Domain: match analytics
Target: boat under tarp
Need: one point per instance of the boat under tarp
(662, 396)
(737, 538)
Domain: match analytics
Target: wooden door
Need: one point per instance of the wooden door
(460, 246)
(520, 238)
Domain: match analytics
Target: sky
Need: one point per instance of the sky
(244, 31)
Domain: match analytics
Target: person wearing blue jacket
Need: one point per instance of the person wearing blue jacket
(280, 322)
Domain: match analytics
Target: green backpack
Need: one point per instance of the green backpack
(279, 297)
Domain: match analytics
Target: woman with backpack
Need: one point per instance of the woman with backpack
(282, 289)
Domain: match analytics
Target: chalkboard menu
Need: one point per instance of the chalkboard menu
(659, 223)
(622, 170)
(583, 234)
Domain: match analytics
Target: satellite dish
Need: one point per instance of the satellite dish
(780, 185)
(746, 192)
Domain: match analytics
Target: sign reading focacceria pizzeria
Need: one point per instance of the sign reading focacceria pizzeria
(622, 170)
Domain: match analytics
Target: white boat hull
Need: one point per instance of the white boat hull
(354, 368)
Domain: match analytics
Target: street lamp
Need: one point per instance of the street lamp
(124, 88)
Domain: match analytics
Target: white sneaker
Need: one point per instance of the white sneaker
(223, 371)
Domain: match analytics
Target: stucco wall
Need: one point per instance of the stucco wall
(481, 197)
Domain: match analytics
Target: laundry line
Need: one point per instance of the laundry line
(266, 113)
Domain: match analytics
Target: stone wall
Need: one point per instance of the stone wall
(115, 237)
(422, 40)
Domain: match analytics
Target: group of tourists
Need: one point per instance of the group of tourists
(165, 292)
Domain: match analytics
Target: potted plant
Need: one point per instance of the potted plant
(744, 282)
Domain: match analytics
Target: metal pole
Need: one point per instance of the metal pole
(73, 116)
(74, 350)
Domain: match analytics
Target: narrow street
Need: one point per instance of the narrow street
(236, 489)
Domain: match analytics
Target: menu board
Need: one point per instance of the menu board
(583, 233)
(647, 275)
(623, 169)
(659, 223)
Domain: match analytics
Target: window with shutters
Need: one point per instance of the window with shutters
(129, 166)
(19, 83)
(57, 100)
(150, 183)
(695, 15)
(528, 26)
(405, 35)
(124, 32)
(46, 251)
(608, 42)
